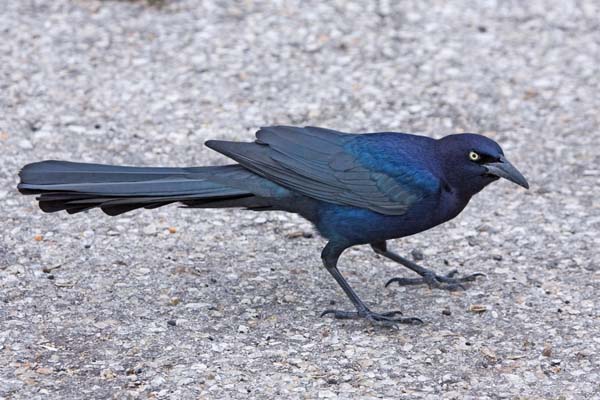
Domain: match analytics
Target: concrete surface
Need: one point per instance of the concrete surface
(225, 304)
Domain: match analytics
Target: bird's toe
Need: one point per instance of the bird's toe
(448, 282)
(450, 277)
(452, 273)
(390, 319)
(339, 314)
(386, 319)
(405, 281)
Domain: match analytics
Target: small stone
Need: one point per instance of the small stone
(25, 144)
(149, 229)
(288, 298)
(243, 329)
(199, 367)
(38, 238)
(332, 380)
(415, 108)
(514, 379)
(365, 363)
(299, 234)
(107, 374)
(172, 229)
(44, 371)
(448, 379)
(555, 362)
(489, 353)
(157, 381)
(446, 311)
(172, 322)
(417, 255)
(485, 228)
(547, 351)
(326, 394)
(477, 308)
(294, 234)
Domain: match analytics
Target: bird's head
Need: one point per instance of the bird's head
(471, 162)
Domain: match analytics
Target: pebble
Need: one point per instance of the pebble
(477, 308)
(326, 394)
(149, 229)
(108, 374)
(417, 255)
(288, 298)
(157, 382)
(25, 144)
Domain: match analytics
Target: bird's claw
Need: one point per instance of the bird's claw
(386, 318)
(444, 282)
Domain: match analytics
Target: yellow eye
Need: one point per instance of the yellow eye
(474, 156)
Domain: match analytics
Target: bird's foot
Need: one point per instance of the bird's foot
(387, 319)
(444, 282)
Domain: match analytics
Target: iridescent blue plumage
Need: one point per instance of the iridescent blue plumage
(356, 189)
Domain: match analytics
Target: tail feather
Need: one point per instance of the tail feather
(77, 187)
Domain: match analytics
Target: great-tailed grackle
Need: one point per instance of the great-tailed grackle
(355, 188)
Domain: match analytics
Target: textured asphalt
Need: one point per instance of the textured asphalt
(180, 304)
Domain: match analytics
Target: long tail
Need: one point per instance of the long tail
(77, 187)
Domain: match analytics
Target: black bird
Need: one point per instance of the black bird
(355, 189)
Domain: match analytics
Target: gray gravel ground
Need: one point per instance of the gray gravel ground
(226, 303)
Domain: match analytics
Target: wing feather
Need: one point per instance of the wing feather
(316, 162)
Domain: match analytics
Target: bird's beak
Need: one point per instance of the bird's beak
(503, 169)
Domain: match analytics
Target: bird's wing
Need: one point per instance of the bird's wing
(315, 162)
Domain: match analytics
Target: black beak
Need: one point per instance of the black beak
(503, 169)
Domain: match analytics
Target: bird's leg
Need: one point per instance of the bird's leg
(330, 256)
(433, 280)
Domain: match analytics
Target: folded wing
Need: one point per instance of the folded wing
(316, 162)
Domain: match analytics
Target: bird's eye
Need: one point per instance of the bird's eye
(474, 156)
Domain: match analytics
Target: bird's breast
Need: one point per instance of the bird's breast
(358, 226)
